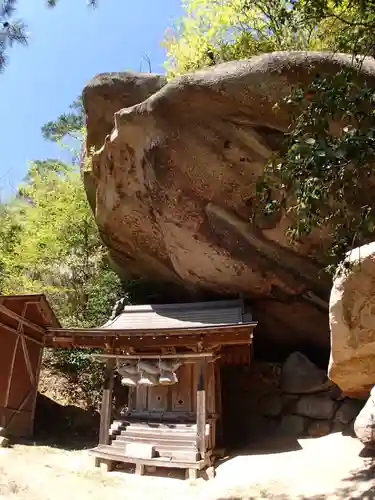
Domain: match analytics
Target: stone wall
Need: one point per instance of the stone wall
(291, 399)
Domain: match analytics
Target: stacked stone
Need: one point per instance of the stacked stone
(306, 403)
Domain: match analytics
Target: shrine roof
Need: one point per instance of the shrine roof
(161, 322)
(180, 316)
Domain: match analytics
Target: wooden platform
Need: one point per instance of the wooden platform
(108, 453)
(174, 445)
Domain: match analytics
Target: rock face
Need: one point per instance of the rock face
(4, 441)
(364, 425)
(352, 323)
(173, 185)
(348, 411)
(300, 376)
(52, 418)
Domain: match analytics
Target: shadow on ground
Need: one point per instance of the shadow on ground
(262, 446)
(65, 427)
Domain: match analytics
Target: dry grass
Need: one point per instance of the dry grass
(325, 468)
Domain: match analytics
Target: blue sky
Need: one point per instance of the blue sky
(68, 45)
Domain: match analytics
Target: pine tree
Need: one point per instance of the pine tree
(10, 32)
(53, 3)
(67, 124)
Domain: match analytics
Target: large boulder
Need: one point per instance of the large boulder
(352, 322)
(300, 376)
(173, 185)
(317, 406)
(364, 425)
(348, 411)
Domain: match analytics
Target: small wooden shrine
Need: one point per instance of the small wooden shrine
(168, 356)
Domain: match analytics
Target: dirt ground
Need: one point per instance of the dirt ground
(331, 467)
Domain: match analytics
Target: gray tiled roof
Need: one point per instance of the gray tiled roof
(174, 316)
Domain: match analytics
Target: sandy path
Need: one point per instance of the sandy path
(324, 468)
(329, 467)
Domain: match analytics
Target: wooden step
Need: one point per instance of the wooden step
(176, 443)
(163, 430)
(111, 453)
(149, 428)
(158, 435)
(162, 435)
(161, 425)
(171, 451)
(169, 417)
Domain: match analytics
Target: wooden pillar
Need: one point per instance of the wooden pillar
(106, 408)
(219, 405)
(201, 407)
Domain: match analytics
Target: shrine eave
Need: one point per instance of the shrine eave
(230, 334)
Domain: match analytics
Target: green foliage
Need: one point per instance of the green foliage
(340, 25)
(326, 167)
(69, 131)
(84, 374)
(9, 237)
(213, 31)
(69, 124)
(49, 243)
(55, 246)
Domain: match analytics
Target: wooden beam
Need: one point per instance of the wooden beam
(154, 356)
(201, 407)
(13, 410)
(21, 406)
(13, 330)
(48, 313)
(106, 408)
(36, 299)
(35, 396)
(22, 320)
(218, 404)
(10, 374)
(111, 332)
(147, 342)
